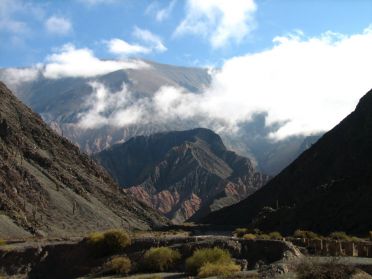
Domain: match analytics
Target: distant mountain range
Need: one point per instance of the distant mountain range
(49, 188)
(183, 174)
(328, 188)
(62, 101)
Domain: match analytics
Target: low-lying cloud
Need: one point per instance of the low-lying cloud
(69, 61)
(308, 84)
(16, 76)
(72, 62)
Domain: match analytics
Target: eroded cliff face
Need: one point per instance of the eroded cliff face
(182, 173)
(48, 187)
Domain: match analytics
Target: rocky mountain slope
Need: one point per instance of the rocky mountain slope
(48, 187)
(61, 102)
(328, 188)
(183, 174)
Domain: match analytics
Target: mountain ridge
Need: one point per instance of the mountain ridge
(181, 172)
(326, 188)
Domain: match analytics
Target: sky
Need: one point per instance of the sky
(305, 63)
(178, 32)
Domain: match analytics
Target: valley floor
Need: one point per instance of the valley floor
(71, 258)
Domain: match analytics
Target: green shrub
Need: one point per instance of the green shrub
(240, 232)
(109, 242)
(340, 236)
(333, 269)
(2, 242)
(356, 239)
(119, 265)
(207, 255)
(275, 235)
(249, 236)
(160, 258)
(218, 269)
(306, 234)
(263, 236)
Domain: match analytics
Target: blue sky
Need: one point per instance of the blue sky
(32, 30)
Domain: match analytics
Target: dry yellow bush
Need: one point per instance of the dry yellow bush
(218, 269)
(119, 265)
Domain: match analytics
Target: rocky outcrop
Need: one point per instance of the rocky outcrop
(184, 174)
(328, 188)
(48, 187)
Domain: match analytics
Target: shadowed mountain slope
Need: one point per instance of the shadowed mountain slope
(48, 187)
(182, 173)
(328, 188)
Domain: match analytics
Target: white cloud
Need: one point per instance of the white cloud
(220, 21)
(123, 49)
(160, 13)
(8, 10)
(16, 76)
(312, 83)
(96, 2)
(72, 62)
(13, 26)
(154, 42)
(58, 25)
(123, 111)
(308, 84)
(150, 43)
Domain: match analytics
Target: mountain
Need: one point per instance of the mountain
(183, 174)
(63, 101)
(328, 188)
(47, 187)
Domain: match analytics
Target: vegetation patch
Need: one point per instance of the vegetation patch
(332, 269)
(340, 236)
(263, 236)
(2, 242)
(306, 234)
(240, 232)
(275, 235)
(217, 269)
(249, 236)
(119, 265)
(109, 242)
(161, 258)
(207, 256)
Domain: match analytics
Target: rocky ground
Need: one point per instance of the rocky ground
(71, 258)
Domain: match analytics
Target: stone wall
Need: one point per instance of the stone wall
(327, 247)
